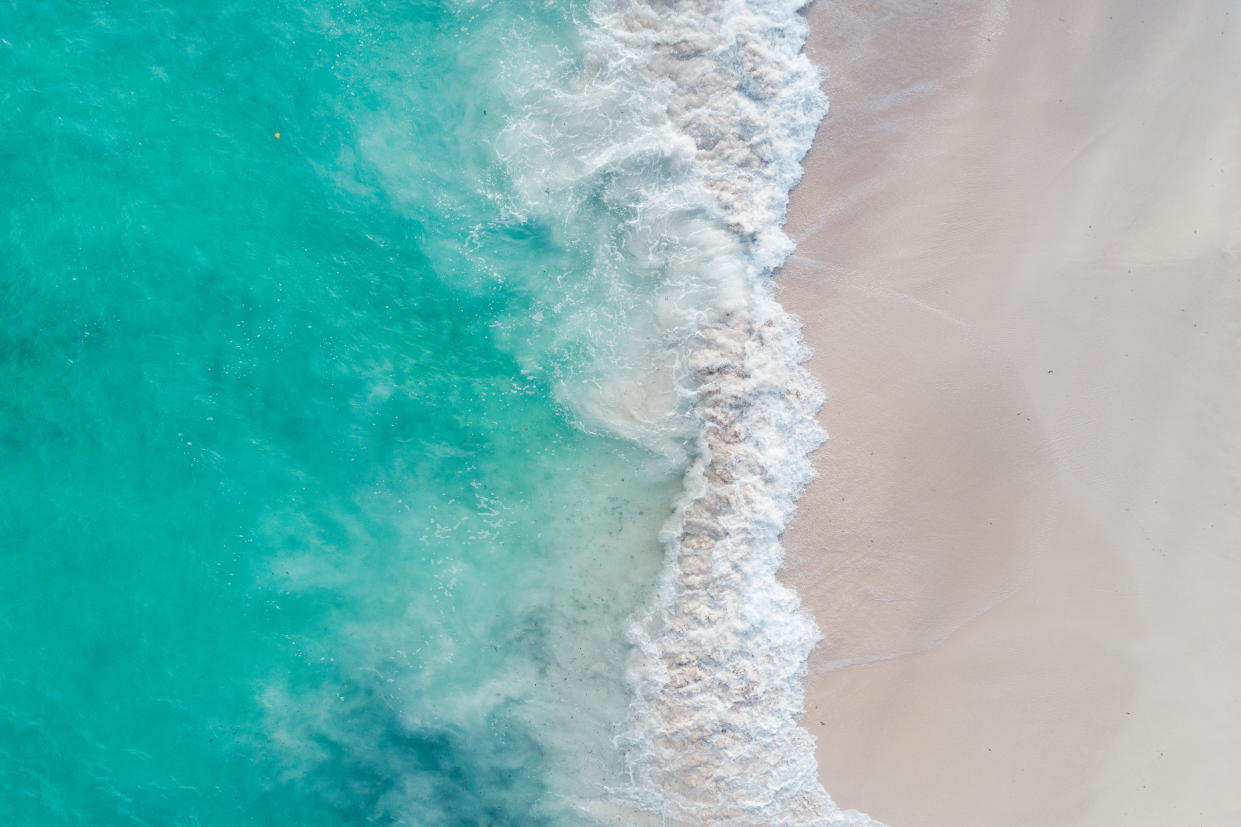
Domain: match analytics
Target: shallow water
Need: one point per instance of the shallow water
(292, 532)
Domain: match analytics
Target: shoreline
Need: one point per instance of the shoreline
(720, 104)
(1017, 265)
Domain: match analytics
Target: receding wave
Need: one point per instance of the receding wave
(682, 132)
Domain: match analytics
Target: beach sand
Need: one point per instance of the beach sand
(1019, 265)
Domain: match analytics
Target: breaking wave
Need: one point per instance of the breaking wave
(681, 133)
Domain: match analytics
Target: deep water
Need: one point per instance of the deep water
(298, 524)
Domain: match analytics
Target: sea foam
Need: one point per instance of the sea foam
(687, 121)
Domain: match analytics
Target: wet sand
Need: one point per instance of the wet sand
(1019, 265)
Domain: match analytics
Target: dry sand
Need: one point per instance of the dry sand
(1019, 265)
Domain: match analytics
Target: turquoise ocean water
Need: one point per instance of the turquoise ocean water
(344, 408)
(290, 533)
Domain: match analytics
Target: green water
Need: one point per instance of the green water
(295, 526)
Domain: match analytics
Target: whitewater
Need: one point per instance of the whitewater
(690, 119)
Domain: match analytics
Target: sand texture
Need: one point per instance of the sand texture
(1019, 265)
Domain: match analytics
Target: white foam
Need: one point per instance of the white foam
(689, 119)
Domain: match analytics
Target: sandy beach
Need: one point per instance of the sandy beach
(1019, 266)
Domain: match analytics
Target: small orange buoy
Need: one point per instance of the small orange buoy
(277, 136)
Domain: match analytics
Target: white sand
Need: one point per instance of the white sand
(1019, 265)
